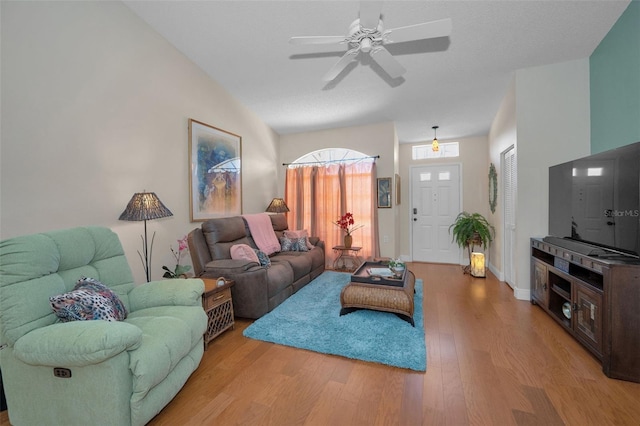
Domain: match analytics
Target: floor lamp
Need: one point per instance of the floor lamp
(145, 206)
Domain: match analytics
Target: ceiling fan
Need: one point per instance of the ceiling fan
(368, 35)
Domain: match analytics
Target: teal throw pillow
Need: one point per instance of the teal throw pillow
(263, 258)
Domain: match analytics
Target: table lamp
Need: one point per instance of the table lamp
(277, 205)
(477, 265)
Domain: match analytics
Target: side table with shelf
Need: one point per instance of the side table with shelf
(347, 253)
(217, 303)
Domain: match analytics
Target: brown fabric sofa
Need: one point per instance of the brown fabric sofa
(257, 289)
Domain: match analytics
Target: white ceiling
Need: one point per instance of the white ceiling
(455, 82)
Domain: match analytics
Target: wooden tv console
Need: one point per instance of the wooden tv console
(596, 300)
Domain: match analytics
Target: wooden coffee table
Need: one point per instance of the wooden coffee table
(379, 294)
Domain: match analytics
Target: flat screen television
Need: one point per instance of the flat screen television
(594, 204)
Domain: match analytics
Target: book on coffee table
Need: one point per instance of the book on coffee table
(381, 272)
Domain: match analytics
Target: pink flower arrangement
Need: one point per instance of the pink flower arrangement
(183, 248)
(347, 223)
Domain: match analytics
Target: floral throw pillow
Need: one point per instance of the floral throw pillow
(263, 258)
(89, 300)
(299, 234)
(293, 244)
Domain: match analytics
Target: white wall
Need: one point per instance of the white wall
(376, 139)
(502, 136)
(474, 159)
(95, 107)
(553, 126)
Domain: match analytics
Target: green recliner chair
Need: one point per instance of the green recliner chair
(91, 372)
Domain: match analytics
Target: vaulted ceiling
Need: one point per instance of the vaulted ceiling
(456, 82)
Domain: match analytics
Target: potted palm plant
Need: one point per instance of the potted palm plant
(470, 230)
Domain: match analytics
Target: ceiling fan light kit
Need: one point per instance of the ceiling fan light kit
(367, 35)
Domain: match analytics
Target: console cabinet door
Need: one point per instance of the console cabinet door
(588, 316)
(540, 287)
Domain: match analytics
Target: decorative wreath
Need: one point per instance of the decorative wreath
(493, 188)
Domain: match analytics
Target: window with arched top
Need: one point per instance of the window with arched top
(329, 156)
(322, 186)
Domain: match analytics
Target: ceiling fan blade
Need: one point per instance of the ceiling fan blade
(340, 65)
(318, 40)
(387, 62)
(370, 14)
(441, 28)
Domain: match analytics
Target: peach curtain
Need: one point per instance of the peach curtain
(318, 195)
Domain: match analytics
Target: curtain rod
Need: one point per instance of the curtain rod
(331, 161)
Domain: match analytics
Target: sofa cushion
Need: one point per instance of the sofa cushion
(317, 258)
(193, 316)
(168, 334)
(223, 233)
(243, 251)
(279, 277)
(279, 222)
(300, 262)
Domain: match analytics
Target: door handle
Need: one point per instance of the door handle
(415, 210)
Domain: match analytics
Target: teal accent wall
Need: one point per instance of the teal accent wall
(614, 68)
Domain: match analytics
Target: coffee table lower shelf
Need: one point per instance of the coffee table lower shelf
(378, 297)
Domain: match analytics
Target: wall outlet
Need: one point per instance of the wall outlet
(385, 238)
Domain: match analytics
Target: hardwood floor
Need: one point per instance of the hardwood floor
(491, 360)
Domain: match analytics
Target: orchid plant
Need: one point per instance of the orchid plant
(347, 223)
(179, 270)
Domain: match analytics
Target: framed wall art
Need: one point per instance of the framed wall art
(384, 193)
(215, 172)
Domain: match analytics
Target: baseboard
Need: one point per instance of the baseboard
(499, 275)
(522, 294)
(518, 293)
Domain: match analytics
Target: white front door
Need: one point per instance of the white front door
(435, 203)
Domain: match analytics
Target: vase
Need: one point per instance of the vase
(348, 239)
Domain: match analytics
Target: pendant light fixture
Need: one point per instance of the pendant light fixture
(434, 145)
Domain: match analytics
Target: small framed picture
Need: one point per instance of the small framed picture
(384, 193)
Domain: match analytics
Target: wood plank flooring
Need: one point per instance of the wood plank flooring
(491, 360)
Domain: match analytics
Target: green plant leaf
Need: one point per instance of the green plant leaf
(470, 229)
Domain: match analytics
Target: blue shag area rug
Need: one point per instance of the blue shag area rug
(310, 319)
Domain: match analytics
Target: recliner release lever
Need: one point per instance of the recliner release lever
(63, 373)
